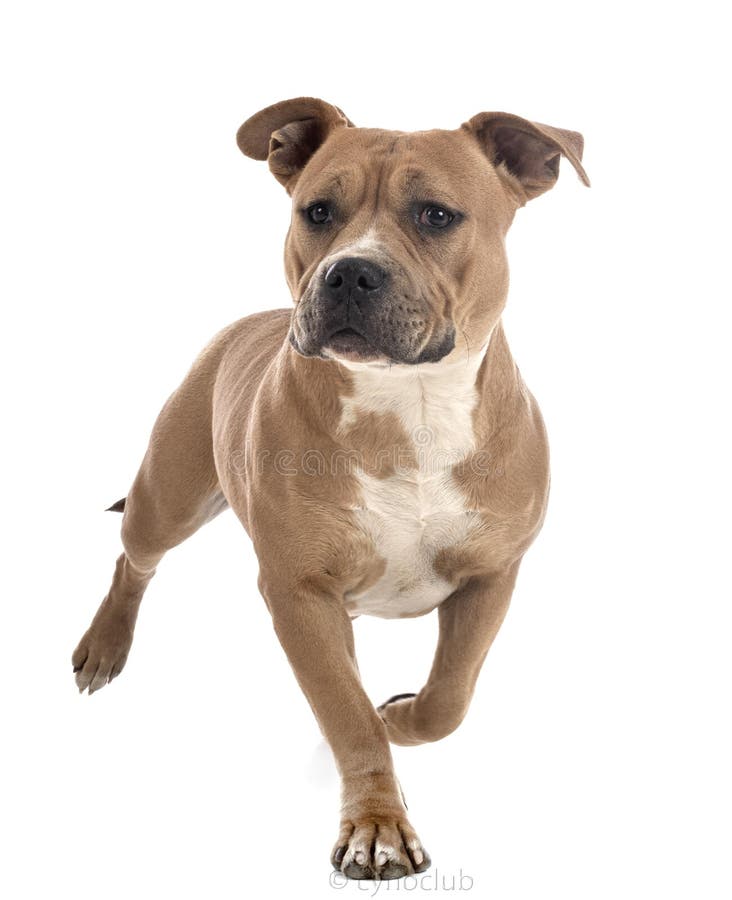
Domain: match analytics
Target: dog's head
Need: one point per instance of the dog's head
(395, 252)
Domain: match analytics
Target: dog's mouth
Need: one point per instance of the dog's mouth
(350, 344)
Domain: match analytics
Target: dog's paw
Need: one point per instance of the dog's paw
(397, 713)
(102, 653)
(413, 719)
(379, 849)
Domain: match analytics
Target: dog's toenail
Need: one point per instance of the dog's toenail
(393, 870)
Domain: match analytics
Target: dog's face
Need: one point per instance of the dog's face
(395, 252)
(392, 235)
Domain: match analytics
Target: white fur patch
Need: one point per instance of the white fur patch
(367, 243)
(414, 513)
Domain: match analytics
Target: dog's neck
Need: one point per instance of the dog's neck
(434, 402)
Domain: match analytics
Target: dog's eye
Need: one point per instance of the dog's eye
(319, 213)
(435, 217)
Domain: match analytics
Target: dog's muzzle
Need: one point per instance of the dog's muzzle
(350, 286)
(356, 310)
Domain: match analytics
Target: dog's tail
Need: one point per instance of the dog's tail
(119, 506)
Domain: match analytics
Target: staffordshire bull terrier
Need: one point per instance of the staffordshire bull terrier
(376, 442)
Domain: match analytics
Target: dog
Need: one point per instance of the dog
(377, 441)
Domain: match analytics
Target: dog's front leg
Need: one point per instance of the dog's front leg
(469, 621)
(376, 839)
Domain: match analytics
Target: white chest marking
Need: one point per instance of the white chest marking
(416, 512)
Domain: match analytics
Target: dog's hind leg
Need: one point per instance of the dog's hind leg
(175, 492)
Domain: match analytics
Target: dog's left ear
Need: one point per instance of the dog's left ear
(530, 151)
(288, 133)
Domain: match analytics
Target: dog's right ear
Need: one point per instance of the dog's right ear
(288, 133)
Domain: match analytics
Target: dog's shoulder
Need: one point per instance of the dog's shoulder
(260, 330)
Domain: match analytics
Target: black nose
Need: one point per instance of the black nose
(353, 277)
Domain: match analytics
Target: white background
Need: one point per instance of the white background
(595, 760)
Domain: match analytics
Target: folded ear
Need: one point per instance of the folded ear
(530, 151)
(288, 133)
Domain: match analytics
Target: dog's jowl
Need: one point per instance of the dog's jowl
(376, 441)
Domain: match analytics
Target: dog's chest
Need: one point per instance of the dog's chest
(419, 510)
